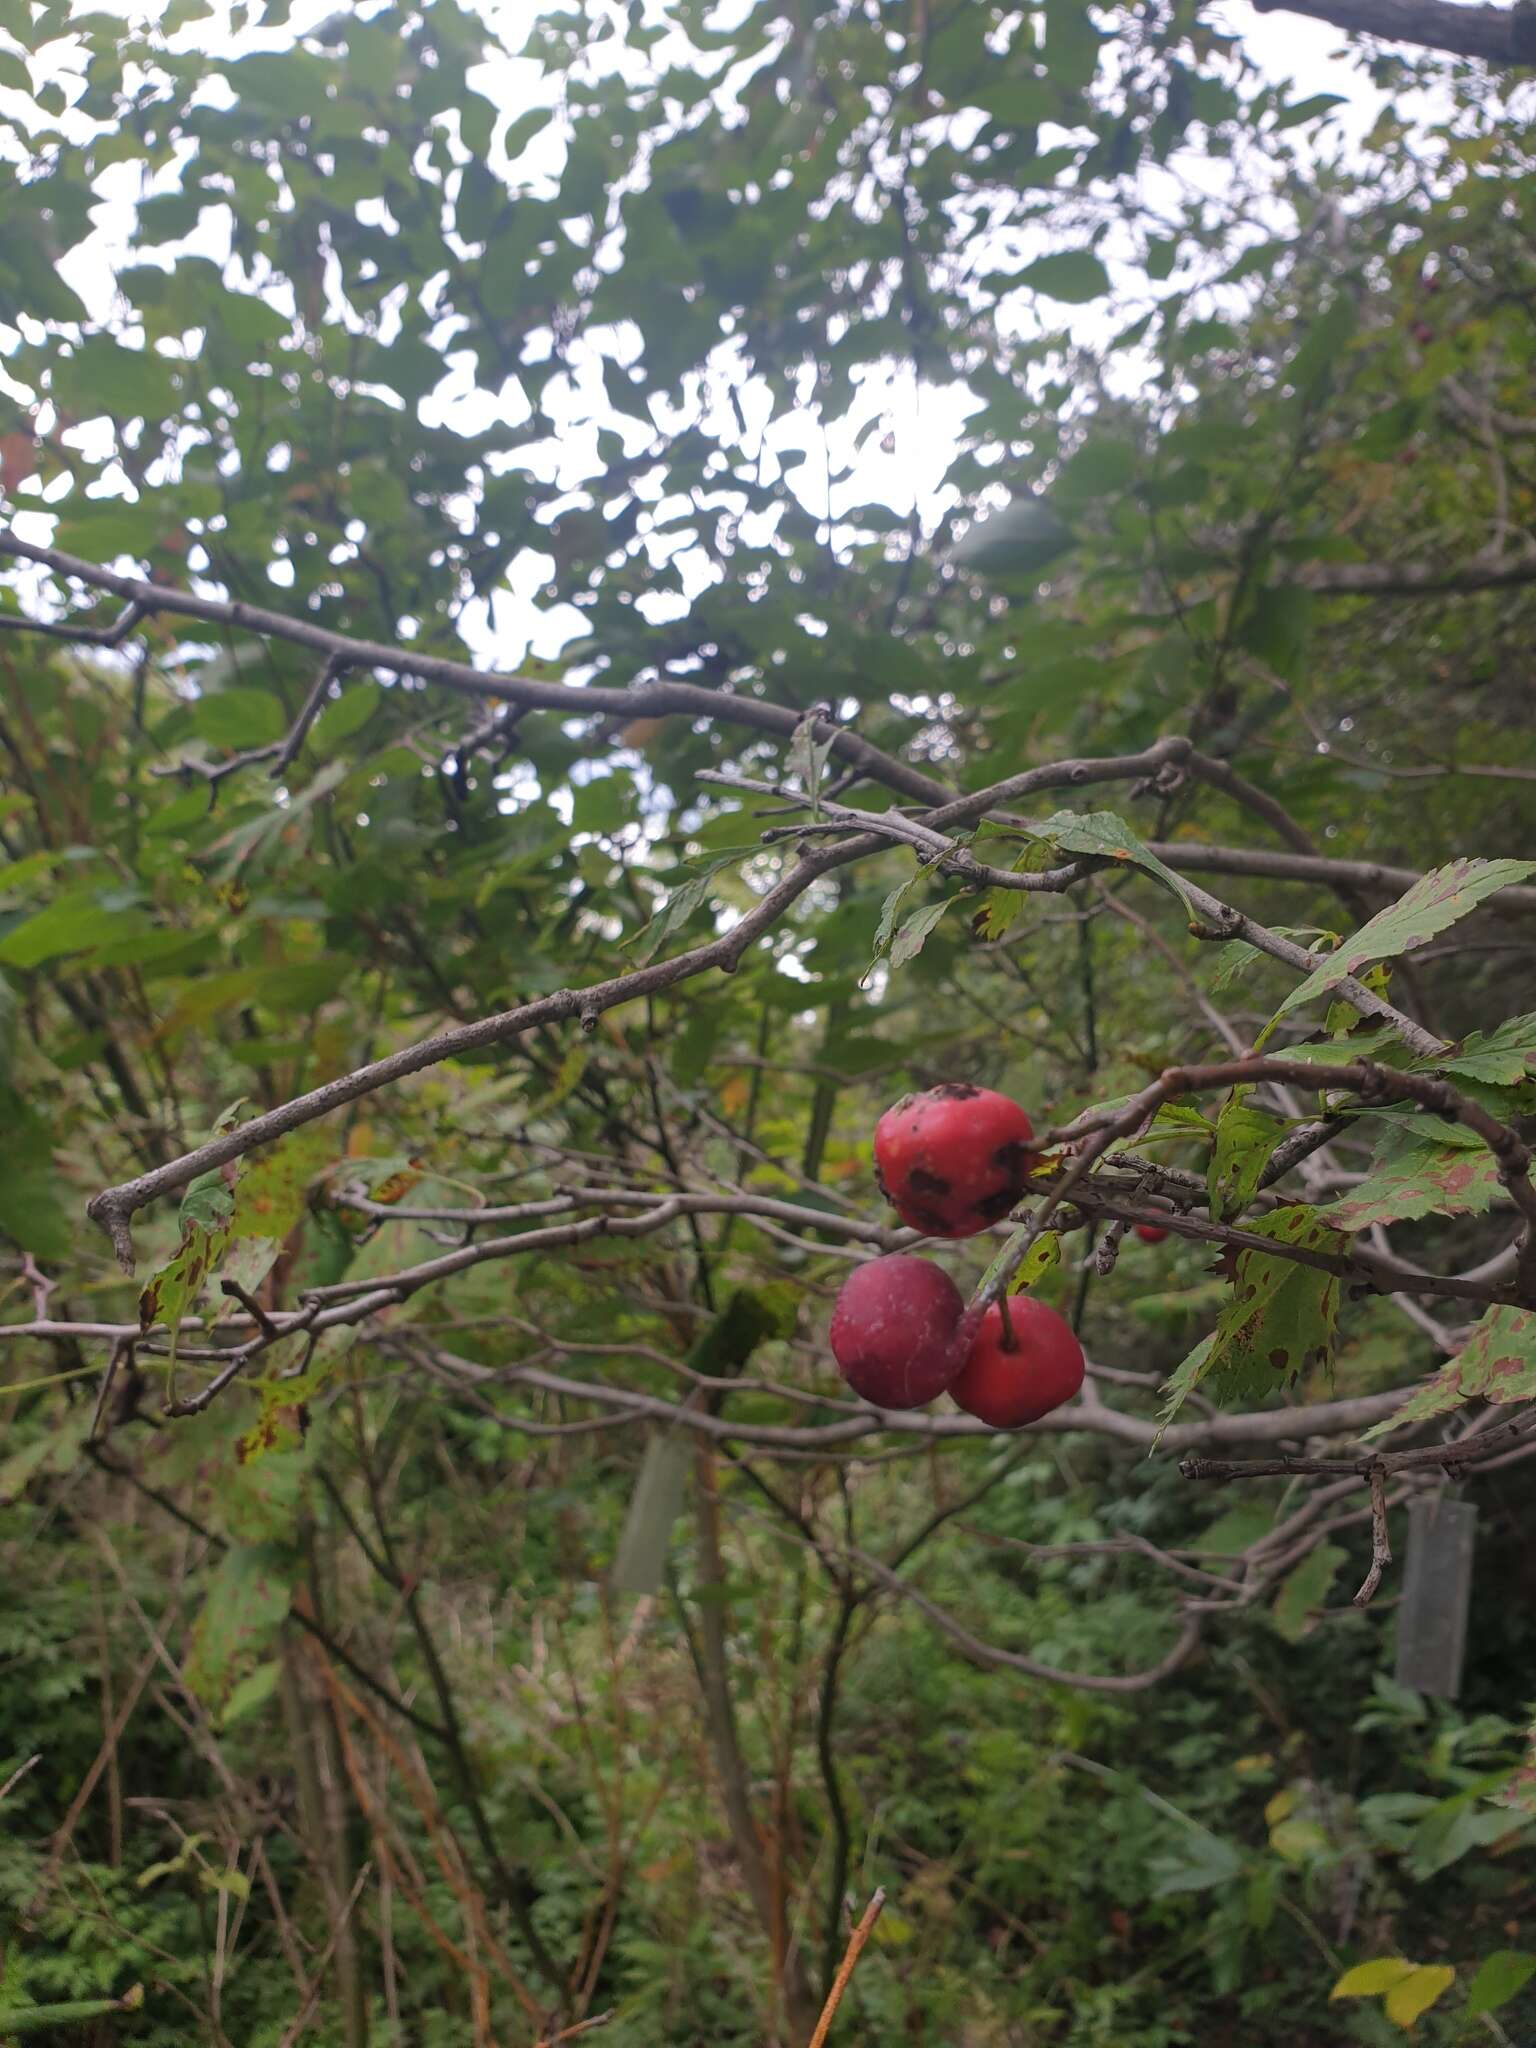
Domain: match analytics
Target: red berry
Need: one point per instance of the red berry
(953, 1159)
(893, 1331)
(1150, 1234)
(1010, 1388)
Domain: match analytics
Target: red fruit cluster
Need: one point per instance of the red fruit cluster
(951, 1161)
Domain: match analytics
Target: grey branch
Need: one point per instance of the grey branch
(1498, 35)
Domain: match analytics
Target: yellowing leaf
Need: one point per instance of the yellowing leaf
(1413, 1995)
(1370, 1980)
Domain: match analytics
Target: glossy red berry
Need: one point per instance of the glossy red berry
(893, 1331)
(953, 1159)
(1010, 1388)
(1150, 1234)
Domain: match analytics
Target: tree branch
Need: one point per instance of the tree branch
(1498, 35)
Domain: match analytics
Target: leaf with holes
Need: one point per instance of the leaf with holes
(1497, 1363)
(1279, 1323)
(1110, 838)
(1434, 903)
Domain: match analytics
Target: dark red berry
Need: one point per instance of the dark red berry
(1009, 1388)
(893, 1331)
(953, 1159)
(1150, 1234)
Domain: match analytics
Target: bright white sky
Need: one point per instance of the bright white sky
(923, 424)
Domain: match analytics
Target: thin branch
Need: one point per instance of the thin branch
(856, 1941)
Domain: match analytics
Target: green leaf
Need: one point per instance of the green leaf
(1279, 1323)
(1245, 1138)
(1434, 903)
(1501, 1975)
(1072, 275)
(238, 718)
(808, 756)
(243, 1607)
(915, 932)
(1502, 1057)
(1104, 834)
(60, 930)
(680, 905)
(1311, 109)
(1497, 1363)
(345, 715)
(1018, 541)
(1304, 1589)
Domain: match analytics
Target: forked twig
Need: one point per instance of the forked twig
(851, 1955)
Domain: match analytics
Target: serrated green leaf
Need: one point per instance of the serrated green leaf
(1245, 1138)
(1434, 903)
(1502, 1057)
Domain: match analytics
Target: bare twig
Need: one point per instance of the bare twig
(845, 1968)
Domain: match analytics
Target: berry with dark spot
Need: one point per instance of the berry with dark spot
(1011, 1385)
(953, 1159)
(1150, 1234)
(893, 1331)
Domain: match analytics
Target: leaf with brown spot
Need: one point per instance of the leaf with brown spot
(1497, 1363)
(1278, 1324)
(1422, 1180)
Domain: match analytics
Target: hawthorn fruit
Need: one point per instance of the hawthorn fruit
(1150, 1234)
(894, 1329)
(1011, 1385)
(953, 1159)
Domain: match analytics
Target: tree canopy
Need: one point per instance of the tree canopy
(585, 602)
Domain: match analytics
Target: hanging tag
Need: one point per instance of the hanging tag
(1437, 1591)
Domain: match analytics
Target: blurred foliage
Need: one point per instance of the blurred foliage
(1021, 384)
